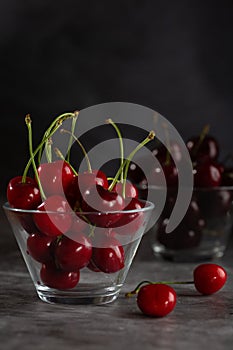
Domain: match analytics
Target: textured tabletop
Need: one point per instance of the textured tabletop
(196, 322)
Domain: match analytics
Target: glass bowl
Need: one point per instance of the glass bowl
(85, 263)
(203, 233)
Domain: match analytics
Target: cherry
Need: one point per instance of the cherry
(55, 177)
(182, 237)
(23, 194)
(131, 191)
(156, 300)
(100, 200)
(170, 172)
(109, 258)
(73, 255)
(54, 277)
(209, 278)
(203, 146)
(207, 174)
(132, 217)
(40, 247)
(53, 217)
(215, 203)
(83, 181)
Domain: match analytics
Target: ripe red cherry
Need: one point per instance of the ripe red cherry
(55, 177)
(209, 278)
(23, 195)
(170, 172)
(207, 174)
(156, 300)
(53, 217)
(98, 199)
(73, 255)
(56, 278)
(81, 182)
(130, 190)
(40, 247)
(109, 258)
(132, 217)
(207, 149)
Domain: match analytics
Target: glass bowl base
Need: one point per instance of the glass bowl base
(104, 296)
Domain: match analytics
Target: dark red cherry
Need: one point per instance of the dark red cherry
(215, 203)
(182, 237)
(55, 177)
(40, 247)
(101, 201)
(83, 181)
(53, 217)
(208, 148)
(23, 195)
(168, 170)
(73, 255)
(54, 277)
(132, 217)
(207, 174)
(109, 258)
(131, 191)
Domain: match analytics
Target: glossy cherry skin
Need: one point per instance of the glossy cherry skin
(169, 171)
(209, 278)
(54, 277)
(55, 177)
(99, 200)
(156, 300)
(53, 217)
(40, 247)
(80, 183)
(207, 174)
(23, 195)
(108, 258)
(208, 148)
(182, 237)
(131, 191)
(73, 255)
(130, 222)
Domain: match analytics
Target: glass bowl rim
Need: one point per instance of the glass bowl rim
(147, 207)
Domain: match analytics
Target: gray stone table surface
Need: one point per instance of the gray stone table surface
(196, 322)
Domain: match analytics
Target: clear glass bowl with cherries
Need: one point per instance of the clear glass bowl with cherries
(206, 228)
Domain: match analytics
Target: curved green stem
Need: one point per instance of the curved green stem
(60, 119)
(39, 147)
(74, 120)
(127, 161)
(121, 144)
(29, 126)
(136, 290)
(64, 131)
(60, 155)
(203, 134)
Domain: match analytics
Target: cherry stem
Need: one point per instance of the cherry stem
(60, 120)
(121, 145)
(60, 155)
(48, 149)
(39, 147)
(29, 126)
(136, 290)
(127, 161)
(74, 120)
(203, 134)
(132, 154)
(168, 144)
(64, 131)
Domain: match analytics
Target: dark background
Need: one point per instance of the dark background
(172, 56)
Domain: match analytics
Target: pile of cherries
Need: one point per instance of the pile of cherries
(157, 299)
(63, 218)
(211, 197)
